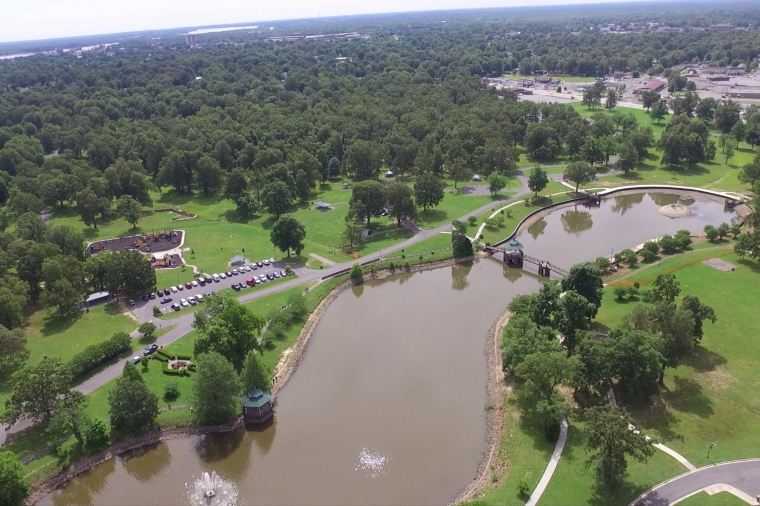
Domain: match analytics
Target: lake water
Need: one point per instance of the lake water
(389, 403)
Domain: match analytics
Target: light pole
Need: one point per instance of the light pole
(710, 447)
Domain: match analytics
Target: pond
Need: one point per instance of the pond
(389, 404)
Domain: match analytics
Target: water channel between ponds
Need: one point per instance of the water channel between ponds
(389, 404)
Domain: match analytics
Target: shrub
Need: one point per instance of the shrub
(357, 272)
(668, 245)
(523, 490)
(95, 435)
(603, 263)
(683, 238)
(147, 329)
(711, 233)
(620, 293)
(171, 392)
(288, 269)
(723, 230)
(97, 354)
(648, 256)
(156, 311)
(472, 221)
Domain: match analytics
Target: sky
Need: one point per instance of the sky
(43, 19)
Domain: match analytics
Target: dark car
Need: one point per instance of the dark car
(201, 281)
(236, 287)
(150, 349)
(166, 300)
(188, 285)
(167, 292)
(152, 296)
(176, 307)
(270, 276)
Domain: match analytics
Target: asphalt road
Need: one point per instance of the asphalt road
(743, 475)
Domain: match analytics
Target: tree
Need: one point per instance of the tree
(215, 389)
(63, 295)
(12, 486)
(705, 109)
(579, 173)
(14, 295)
(227, 327)
(635, 361)
(70, 416)
(208, 173)
(538, 180)
(236, 184)
(728, 149)
(367, 199)
(255, 373)
(727, 114)
(629, 157)
(738, 131)
(13, 352)
(700, 311)
(585, 279)
(610, 441)
(750, 173)
(288, 233)
(133, 408)
(428, 190)
(352, 234)
(461, 245)
(364, 158)
(496, 183)
(541, 373)
(400, 199)
(711, 233)
(611, 100)
(648, 98)
(276, 197)
(129, 209)
(147, 329)
(659, 110)
(38, 391)
(90, 206)
(247, 204)
(575, 316)
(665, 288)
(522, 337)
(592, 96)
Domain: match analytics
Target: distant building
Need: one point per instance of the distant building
(654, 85)
(97, 298)
(723, 27)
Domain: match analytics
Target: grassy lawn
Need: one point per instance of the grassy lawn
(720, 499)
(573, 482)
(711, 397)
(524, 453)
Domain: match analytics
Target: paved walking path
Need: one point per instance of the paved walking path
(551, 466)
(740, 477)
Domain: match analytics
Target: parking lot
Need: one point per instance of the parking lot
(242, 278)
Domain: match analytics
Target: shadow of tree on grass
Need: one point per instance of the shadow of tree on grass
(688, 396)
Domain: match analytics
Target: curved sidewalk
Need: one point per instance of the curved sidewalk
(550, 467)
(739, 477)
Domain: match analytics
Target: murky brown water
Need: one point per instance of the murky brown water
(575, 233)
(388, 405)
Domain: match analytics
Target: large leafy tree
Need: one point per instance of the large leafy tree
(129, 209)
(227, 327)
(428, 190)
(611, 442)
(215, 389)
(288, 233)
(276, 197)
(38, 391)
(585, 279)
(537, 180)
(579, 173)
(133, 408)
(400, 199)
(367, 199)
(13, 351)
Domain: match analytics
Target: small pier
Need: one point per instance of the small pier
(514, 256)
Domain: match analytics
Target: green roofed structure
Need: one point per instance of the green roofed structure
(257, 407)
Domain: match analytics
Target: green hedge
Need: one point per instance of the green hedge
(98, 354)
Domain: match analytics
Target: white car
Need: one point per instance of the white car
(223, 276)
(174, 289)
(199, 297)
(195, 283)
(266, 261)
(192, 300)
(184, 302)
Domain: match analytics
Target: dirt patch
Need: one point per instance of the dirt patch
(719, 379)
(720, 264)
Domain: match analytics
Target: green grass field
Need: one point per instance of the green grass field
(721, 499)
(711, 397)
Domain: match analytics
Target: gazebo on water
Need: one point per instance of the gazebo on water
(513, 253)
(257, 407)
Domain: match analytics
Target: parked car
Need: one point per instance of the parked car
(250, 282)
(175, 306)
(270, 276)
(136, 359)
(276, 274)
(166, 300)
(192, 300)
(174, 289)
(236, 287)
(202, 282)
(189, 285)
(167, 292)
(208, 279)
(283, 273)
(180, 287)
(194, 283)
(150, 349)
(260, 264)
(184, 302)
(266, 262)
(199, 297)
(254, 266)
(223, 276)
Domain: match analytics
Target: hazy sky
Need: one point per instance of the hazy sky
(41, 19)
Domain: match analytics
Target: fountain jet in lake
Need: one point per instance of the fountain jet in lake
(211, 490)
